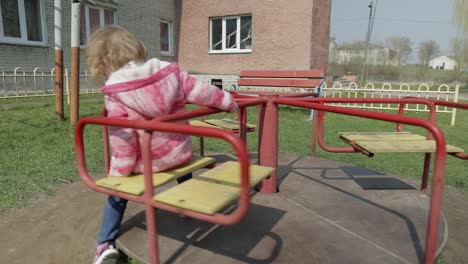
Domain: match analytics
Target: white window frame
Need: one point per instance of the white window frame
(23, 28)
(170, 52)
(223, 34)
(101, 20)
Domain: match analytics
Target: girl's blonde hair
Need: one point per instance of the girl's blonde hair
(112, 47)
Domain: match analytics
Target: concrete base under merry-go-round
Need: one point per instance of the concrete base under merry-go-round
(325, 212)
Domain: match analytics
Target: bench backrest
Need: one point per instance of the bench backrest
(280, 80)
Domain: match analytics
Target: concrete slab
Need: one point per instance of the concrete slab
(325, 212)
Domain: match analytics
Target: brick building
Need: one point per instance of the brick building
(213, 38)
(29, 40)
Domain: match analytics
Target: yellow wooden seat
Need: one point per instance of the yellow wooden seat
(199, 196)
(213, 190)
(393, 142)
(229, 173)
(372, 136)
(135, 184)
(404, 146)
(201, 123)
(224, 123)
(230, 124)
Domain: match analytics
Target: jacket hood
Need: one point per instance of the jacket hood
(136, 70)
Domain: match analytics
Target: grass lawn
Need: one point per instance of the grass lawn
(38, 151)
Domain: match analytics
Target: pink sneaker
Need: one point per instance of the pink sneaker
(106, 254)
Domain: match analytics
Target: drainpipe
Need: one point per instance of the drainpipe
(58, 60)
(75, 62)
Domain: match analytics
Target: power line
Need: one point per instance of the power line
(393, 20)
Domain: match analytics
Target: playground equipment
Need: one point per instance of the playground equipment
(203, 197)
(389, 142)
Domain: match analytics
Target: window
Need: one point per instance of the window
(231, 34)
(92, 18)
(22, 21)
(165, 28)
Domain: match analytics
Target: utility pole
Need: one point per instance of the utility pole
(464, 36)
(75, 62)
(370, 26)
(58, 78)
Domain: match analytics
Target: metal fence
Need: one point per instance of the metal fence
(39, 83)
(386, 90)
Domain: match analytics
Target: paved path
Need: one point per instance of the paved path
(62, 228)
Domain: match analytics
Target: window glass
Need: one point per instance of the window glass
(246, 32)
(231, 33)
(94, 19)
(164, 34)
(216, 34)
(82, 24)
(10, 18)
(33, 20)
(108, 17)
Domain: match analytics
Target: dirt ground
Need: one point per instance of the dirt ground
(62, 228)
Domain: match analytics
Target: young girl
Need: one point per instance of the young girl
(139, 89)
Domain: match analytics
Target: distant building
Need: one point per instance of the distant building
(376, 55)
(443, 63)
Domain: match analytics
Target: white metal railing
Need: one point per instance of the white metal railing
(386, 90)
(39, 83)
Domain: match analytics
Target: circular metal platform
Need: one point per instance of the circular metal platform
(325, 212)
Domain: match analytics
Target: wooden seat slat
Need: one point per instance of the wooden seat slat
(229, 172)
(368, 136)
(212, 190)
(404, 146)
(201, 123)
(224, 123)
(228, 124)
(199, 196)
(135, 184)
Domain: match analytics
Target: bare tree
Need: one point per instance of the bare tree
(428, 50)
(460, 15)
(459, 44)
(459, 49)
(401, 46)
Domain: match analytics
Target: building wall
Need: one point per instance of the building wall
(281, 36)
(321, 15)
(27, 56)
(139, 17)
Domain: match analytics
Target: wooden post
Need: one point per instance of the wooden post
(58, 60)
(75, 62)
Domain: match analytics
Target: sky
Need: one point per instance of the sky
(419, 20)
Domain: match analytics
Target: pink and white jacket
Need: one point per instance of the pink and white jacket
(141, 91)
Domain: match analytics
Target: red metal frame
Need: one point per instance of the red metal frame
(429, 125)
(268, 141)
(164, 124)
(268, 103)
